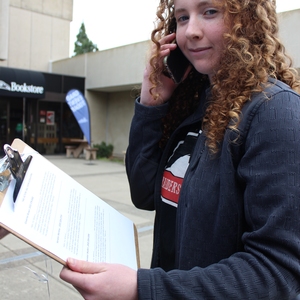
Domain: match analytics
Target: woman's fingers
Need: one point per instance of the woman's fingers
(167, 86)
(85, 266)
(167, 44)
(101, 280)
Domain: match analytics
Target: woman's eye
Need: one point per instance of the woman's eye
(182, 18)
(210, 12)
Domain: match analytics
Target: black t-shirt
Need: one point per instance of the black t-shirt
(173, 176)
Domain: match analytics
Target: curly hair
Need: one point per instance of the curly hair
(252, 53)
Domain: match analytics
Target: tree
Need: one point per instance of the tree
(83, 43)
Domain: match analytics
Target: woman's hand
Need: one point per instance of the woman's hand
(3, 233)
(101, 280)
(167, 84)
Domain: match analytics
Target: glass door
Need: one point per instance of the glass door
(4, 125)
(16, 119)
(12, 121)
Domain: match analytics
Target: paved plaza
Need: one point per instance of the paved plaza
(27, 274)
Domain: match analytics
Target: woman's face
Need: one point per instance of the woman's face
(199, 34)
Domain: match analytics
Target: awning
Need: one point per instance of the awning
(21, 83)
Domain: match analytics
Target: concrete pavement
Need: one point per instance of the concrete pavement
(27, 274)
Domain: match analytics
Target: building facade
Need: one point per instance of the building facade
(113, 79)
(114, 76)
(32, 98)
(34, 36)
(33, 33)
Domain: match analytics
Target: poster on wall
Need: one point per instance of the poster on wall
(50, 117)
(80, 109)
(42, 116)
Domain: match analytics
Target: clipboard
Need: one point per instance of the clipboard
(22, 148)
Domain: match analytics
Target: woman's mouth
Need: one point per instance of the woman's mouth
(200, 49)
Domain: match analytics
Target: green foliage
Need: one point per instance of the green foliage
(104, 150)
(83, 43)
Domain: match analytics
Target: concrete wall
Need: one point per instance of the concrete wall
(62, 9)
(120, 111)
(116, 69)
(289, 25)
(98, 111)
(38, 33)
(111, 115)
(4, 21)
(74, 66)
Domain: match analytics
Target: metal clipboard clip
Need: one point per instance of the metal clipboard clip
(17, 167)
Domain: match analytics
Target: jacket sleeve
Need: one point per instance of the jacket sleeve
(269, 266)
(143, 153)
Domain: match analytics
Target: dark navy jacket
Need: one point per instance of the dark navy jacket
(238, 217)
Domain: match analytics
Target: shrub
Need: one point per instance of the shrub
(104, 150)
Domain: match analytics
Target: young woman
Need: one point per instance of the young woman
(217, 157)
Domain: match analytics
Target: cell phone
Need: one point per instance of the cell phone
(176, 65)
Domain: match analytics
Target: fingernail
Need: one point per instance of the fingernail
(71, 261)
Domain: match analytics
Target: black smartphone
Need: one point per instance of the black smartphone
(176, 65)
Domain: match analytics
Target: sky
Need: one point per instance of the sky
(115, 23)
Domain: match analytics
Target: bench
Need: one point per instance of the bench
(70, 150)
(90, 153)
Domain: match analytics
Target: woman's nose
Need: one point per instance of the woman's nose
(194, 29)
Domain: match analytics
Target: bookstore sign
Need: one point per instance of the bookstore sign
(21, 83)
